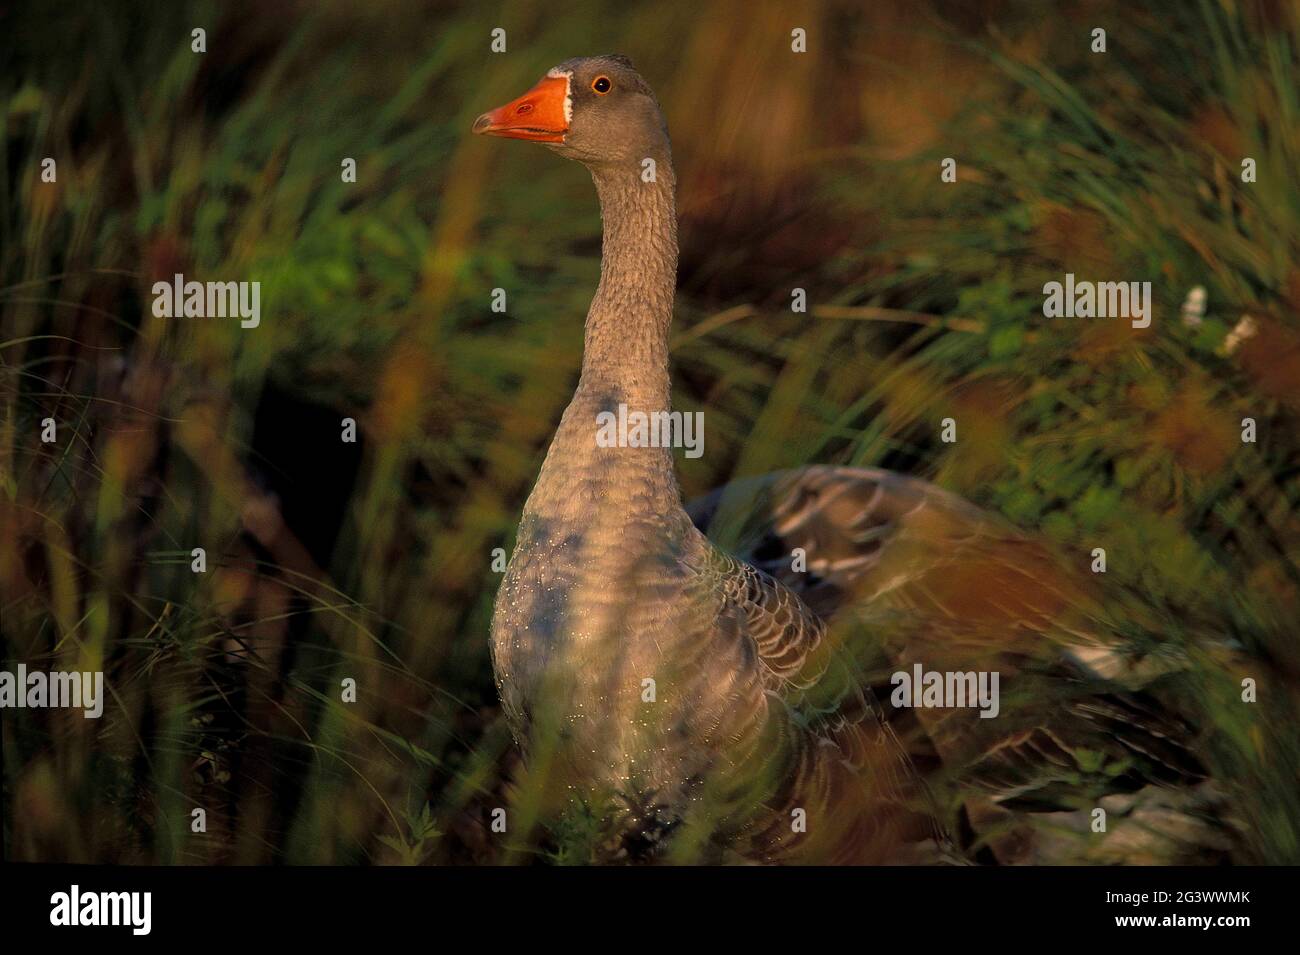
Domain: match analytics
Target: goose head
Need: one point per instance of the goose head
(594, 109)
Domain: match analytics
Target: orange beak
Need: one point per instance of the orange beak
(538, 115)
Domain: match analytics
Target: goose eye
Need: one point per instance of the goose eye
(602, 85)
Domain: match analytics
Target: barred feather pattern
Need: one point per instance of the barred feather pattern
(939, 582)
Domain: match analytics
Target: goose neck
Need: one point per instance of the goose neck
(626, 338)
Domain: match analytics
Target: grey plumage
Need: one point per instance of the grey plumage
(640, 665)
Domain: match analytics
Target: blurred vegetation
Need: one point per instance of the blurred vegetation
(373, 561)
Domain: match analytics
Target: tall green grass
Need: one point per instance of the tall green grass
(821, 173)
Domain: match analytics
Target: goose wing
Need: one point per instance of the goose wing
(844, 539)
(842, 750)
(934, 580)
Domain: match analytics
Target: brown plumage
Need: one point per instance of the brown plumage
(643, 668)
(940, 581)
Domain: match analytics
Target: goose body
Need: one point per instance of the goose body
(678, 689)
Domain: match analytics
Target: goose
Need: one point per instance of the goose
(687, 696)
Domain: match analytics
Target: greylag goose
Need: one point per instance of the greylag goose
(685, 696)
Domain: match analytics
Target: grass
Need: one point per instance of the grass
(372, 561)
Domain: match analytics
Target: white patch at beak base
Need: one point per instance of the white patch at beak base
(568, 91)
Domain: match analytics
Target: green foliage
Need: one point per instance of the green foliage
(226, 685)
